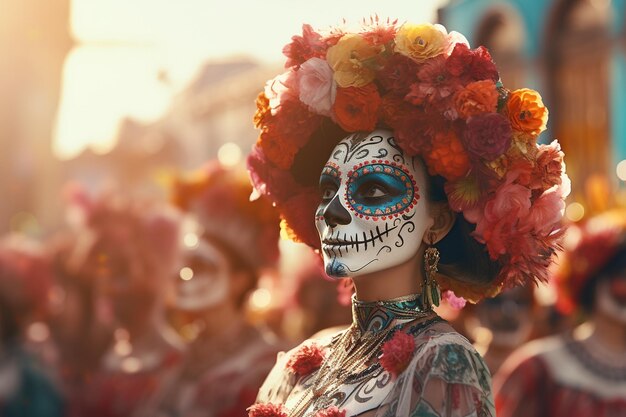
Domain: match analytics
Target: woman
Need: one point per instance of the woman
(399, 129)
(127, 250)
(581, 372)
(228, 242)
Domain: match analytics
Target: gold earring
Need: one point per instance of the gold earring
(431, 287)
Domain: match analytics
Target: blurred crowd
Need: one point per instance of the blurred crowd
(179, 308)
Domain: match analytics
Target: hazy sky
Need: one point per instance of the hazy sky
(124, 44)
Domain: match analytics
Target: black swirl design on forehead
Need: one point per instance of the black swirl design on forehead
(351, 150)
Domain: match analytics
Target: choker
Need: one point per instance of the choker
(378, 316)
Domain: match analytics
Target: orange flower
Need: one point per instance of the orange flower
(447, 157)
(476, 98)
(278, 151)
(393, 109)
(356, 108)
(526, 111)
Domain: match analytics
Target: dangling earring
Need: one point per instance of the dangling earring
(431, 287)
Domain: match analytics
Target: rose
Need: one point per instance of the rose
(421, 42)
(476, 98)
(546, 212)
(356, 108)
(350, 59)
(317, 87)
(526, 111)
(487, 135)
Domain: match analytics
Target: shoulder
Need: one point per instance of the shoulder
(300, 360)
(532, 355)
(445, 354)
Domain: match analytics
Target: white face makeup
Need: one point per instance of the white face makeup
(374, 213)
(203, 280)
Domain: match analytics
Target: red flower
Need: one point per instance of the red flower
(415, 131)
(331, 412)
(356, 108)
(278, 150)
(301, 48)
(306, 359)
(435, 84)
(267, 410)
(397, 353)
(377, 33)
(472, 64)
(487, 135)
(398, 74)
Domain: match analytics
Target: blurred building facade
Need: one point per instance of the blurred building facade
(574, 53)
(34, 40)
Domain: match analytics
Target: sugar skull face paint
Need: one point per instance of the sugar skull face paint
(371, 216)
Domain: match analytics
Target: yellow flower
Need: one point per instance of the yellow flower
(349, 60)
(420, 42)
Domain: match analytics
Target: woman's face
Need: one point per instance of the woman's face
(611, 297)
(374, 212)
(203, 280)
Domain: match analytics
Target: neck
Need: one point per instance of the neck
(609, 332)
(398, 281)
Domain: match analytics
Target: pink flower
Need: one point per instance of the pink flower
(498, 227)
(487, 135)
(317, 86)
(397, 353)
(267, 410)
(331, 412)
(453, 39)
(305, 47)
(306, 359)
(550, 164)
(546, 212)
(455, 302)
(281, 88)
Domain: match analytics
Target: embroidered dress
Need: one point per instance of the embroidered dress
(558, 377)
(444, 375)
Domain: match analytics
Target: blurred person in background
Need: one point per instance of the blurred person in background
(227, 243)
(27, 389)
(127, 250)
(501, 324)
(581, 372)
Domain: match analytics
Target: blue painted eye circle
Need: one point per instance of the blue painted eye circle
(380, 189)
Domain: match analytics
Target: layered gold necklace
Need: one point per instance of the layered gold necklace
(355, 352)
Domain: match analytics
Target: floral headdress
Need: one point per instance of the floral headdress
(445, 103)
(587, 250)
(220, 199)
